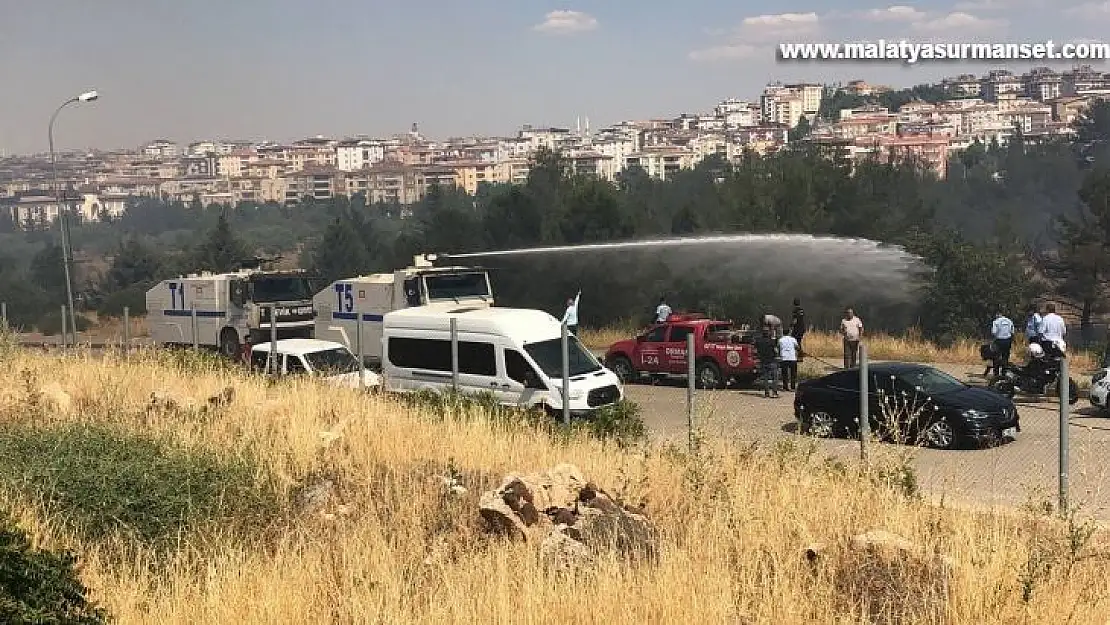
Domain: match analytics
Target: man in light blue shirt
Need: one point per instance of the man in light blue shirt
(570, 317)
(1002, 331)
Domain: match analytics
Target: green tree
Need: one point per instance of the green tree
(344, 250)
(221, 250)
(48, 272)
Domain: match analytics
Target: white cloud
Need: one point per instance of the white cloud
(724, 53)
(760, 29)
(1089, 10)
(567, 23)
(897, 13)
(959, 21)
(782, 21)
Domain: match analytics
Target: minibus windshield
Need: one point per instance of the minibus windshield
(549, 356)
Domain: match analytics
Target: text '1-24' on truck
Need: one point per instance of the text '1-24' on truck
(721, 352)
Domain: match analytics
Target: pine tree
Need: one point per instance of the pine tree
(222, 250)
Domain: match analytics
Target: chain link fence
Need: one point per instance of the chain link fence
(957, 436)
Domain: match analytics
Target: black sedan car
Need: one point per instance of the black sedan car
(907, 403)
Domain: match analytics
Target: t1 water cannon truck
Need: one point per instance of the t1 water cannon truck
(230, 311)
(350, 311)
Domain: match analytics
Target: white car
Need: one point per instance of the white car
(1100, 388)
(329, 360)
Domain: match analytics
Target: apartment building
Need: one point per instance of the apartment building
(394, 183)
(1042, 84)
(355, 154)
(929, 150)
(782, 105)
(1067, 109)
(161, 148)
(1000, 81)
(964, 85)
(661, 162)
(315, 181)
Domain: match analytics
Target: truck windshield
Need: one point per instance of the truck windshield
(332, 361)
(280, 289)
(549, 356)
(456, 285)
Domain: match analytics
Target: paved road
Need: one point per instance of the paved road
(1012, 474)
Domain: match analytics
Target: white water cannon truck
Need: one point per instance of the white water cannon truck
(230, 311)
(351, 304)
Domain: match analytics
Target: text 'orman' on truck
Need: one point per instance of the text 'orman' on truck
(230, 311)
(347, 306)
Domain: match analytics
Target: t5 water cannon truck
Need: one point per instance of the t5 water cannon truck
(347, 305)
(230, 311)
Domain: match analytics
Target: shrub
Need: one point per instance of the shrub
(133, 298)
(50, 324)
(105, 481)
(40, 586)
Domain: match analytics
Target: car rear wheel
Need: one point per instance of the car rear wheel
(820, 424)
(940, 434)
(622, 367)
(708, 375)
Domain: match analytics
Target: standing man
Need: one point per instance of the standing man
(1053, 328)
(771, 323)
(570, 317)
(767, 352)
(1002, 331)
(1033, 325)
(789, 352)
(798, 322)
(851, 330)
(662, 311)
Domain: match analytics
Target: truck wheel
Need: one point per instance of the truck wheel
(229, 344)
(708, 375)
(623, 368)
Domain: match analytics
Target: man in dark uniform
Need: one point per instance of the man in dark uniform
(798, 322)
(766, 349)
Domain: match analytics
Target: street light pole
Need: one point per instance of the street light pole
(63, 220)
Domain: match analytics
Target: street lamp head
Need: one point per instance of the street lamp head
(88, 96)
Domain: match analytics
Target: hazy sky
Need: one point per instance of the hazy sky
(284, 69)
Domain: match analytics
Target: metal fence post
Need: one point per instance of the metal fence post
(1065, 390)
(4, 314)
(454, 354)
(65, 329)
(361, 353)
(864, 404)
(273, 340)
(195, 325)
(126, 329)
(691, 382)
(566, 373)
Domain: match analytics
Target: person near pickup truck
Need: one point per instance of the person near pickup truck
(771, 323)
(798, 322)
(662, 311)
(789, 352)
(570, 317)
(766, 350)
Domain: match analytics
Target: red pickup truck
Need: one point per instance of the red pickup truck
(721, 352)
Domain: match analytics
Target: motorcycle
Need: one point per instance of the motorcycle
(1034, 378)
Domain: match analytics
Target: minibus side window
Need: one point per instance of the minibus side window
(426, 354)
(518, 369)
(293, 365)
(477, 358)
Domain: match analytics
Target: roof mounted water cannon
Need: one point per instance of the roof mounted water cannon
(424, 260)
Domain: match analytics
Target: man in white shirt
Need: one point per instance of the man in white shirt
(570, 317)
(788, 361)
(851, 329)
(662, 311)
(1053, 328)
(1002, 331)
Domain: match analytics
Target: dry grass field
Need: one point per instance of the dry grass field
(185, 511)
(828, 345)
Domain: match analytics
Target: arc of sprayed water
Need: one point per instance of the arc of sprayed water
(800, 239)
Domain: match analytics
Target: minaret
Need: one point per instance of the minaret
(578, 124)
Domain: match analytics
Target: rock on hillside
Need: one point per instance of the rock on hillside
(570, 517)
